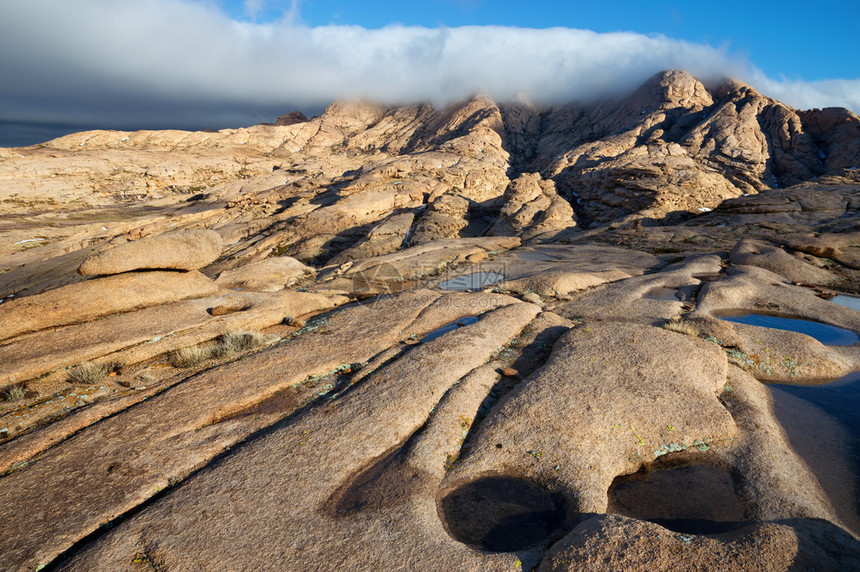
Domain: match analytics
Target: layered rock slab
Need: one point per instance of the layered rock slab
(99, 297)
(136, 336)
(555, 269)
(769, 257)
(172, 434)
(304, 464)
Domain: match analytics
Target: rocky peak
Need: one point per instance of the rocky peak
(672, 89)
(291, 118)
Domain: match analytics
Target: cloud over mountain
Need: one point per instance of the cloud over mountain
(161, 62)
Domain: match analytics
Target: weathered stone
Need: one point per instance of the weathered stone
(388, 432)
(140, 335)
(187, 250)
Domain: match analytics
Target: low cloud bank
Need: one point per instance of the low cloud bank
(160, 63)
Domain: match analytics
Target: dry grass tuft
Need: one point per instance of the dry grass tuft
(679, 325)
(15, 392)
(91, 372)
(88, 373)
(236, 342)
(191, 356)
(226, 345)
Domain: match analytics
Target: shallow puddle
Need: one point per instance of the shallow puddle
(449, 328)
(824, 333)
(852, 302)
(502, 514)
(690, 499)
(662, 293)
(823, 424)
(474, 281)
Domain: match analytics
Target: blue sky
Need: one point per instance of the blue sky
(194, 64)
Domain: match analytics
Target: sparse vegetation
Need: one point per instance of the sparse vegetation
(92, 372)
(679, 325)
(15, 392)
(450, 460)
(235, 342)
(190, 356)
(146, 377)
(224, 346)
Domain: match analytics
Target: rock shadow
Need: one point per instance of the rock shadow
(503, 514)
(385, 482)
(695, 498)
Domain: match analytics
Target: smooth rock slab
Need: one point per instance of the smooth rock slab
(769, 257)
(124, 460)
(93, 299)
(609, 542)
(184, 250)
(132, 337)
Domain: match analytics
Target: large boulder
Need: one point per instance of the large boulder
(185, 250)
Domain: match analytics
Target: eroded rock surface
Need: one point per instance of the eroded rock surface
(267, 371)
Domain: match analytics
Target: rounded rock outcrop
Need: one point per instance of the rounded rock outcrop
(184, 250)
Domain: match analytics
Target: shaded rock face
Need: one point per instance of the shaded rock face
(291, 118)
(260, 365)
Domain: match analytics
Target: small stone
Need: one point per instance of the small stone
(509, 372)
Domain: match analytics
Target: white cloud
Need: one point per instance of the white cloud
(156, 61)
(809, 94)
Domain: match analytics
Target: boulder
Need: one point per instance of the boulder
(185, 250)
(533, 206)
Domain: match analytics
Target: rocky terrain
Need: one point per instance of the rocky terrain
(485, 337)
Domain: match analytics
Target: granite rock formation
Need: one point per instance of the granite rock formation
(581, 403)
